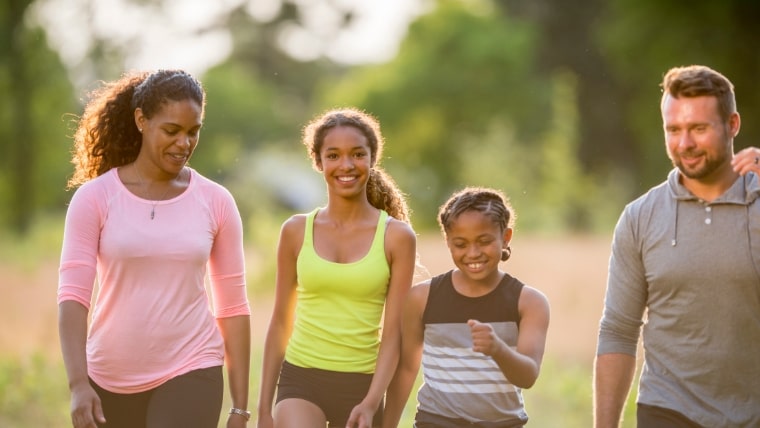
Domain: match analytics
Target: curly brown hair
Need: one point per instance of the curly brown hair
(106, 135)
(382, 191)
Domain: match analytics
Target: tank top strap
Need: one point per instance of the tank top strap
(308, 233)
(382, 225)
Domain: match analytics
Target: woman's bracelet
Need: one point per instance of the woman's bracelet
(244, 413)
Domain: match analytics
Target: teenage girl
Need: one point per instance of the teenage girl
(479, 332)
(343, 273)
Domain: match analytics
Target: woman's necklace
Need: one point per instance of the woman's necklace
(152, 201)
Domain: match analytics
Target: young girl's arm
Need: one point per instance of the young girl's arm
(521, 365)
(401, 248)
(412, 330)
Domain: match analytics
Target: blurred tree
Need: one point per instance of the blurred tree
(619, 49)
(258, 97)
(460, 71)
(20, 162)
(38, 92)
(566, 40)
(472, 96)
(643, 39)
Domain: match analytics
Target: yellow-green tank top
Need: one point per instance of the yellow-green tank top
(339, 307)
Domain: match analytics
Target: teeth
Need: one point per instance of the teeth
(475, 265)
(345, 178)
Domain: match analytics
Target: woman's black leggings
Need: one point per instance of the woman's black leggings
(193, 399)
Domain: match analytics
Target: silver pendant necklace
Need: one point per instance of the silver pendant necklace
(153, 202)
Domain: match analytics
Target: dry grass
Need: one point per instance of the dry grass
(28, 310)
(571, 271)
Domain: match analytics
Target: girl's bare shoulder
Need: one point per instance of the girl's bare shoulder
(400, 230)
(292, 230)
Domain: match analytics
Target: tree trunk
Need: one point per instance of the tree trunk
(22, 155)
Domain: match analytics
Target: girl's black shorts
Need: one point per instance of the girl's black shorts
(336, 393)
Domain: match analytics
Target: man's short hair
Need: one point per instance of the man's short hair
(699, 80)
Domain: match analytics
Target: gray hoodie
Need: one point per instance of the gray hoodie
(689, 271)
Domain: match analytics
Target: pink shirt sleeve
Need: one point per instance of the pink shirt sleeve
(227, 262)
(79, 252)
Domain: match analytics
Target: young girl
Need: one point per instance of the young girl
(341, 270)
(479, 332)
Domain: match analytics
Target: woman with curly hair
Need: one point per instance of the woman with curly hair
(343, 272)
(150, 230)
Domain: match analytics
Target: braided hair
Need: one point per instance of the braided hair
(492, 203)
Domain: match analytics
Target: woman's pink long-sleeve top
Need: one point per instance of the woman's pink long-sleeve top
(152, 318)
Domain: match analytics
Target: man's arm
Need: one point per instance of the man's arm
(613, 376)
(620, 327)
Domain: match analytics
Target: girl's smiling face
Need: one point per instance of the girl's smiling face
(475, 242)
(345, 160)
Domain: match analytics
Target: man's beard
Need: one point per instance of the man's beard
(709, 166)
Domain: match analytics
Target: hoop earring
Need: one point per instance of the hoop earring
(506, 253)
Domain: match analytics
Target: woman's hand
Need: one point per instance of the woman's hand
(746, 160)
(85, 407)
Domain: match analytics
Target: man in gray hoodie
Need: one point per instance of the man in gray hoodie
(687, 254)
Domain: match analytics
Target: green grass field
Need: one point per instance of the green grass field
(571, 271)
(33, 393)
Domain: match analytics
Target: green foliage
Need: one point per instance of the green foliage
(42, 242)
(480, 118)
(517, 133)
(569, 198)
(641, 40)
(33, 390)
(33, 132)
(261, 264)
(33, 393)
(459, 71)
(243, 114)
(474, 81)
(563, 397)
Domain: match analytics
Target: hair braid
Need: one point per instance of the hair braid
(490, 202)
